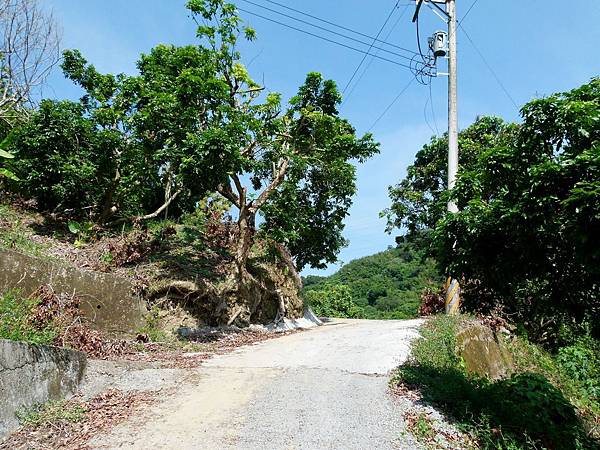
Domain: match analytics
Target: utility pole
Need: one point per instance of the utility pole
(437, 45)
(452, 101)
(452, 285)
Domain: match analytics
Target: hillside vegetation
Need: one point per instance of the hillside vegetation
(386, 285)
(249, 178)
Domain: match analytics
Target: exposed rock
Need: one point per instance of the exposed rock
(32, 375)
(483, 353)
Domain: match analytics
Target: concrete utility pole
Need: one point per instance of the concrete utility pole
(452, 101)
(437, 46)
(452, 286)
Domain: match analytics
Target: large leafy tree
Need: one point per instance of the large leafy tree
(194, 122)
(294, 165)
(419, 200)
(530, 215)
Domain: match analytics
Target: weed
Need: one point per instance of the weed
(52, 412)
(15, 319)
(152, 327)
(421, 427)
(14, 235)
(535, 408)
(107, 258)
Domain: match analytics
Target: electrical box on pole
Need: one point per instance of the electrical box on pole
(438, 43)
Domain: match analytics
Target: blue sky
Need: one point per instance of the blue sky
(535, 47)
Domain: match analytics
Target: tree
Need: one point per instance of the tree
(29, 48)
(333, 300)
(298, 162)
(57, 157)
(419, 200)
(193, 122)
(384, 285)
(530, 217)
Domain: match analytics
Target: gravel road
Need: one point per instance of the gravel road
(325, 388)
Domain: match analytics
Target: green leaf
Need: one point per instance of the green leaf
(74, 227)
(5, 154)
(8, 174)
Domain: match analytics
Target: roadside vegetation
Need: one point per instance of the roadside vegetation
(523, 248)
(549, 401)
(190, 145)
(17, 319)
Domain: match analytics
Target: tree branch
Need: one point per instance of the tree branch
(148, 216)
(277, 180)
(225, 191)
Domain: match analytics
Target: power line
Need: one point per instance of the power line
(326, 39)
(429, 103)
(468, 11)
(404, 89)
(389, 16)
(326, 29)
(340, 26)
(372, 59)
(490, 68)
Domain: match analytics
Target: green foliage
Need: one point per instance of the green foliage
(333, 301)
(581, 364)
(191, 123)
(52, 412)
(307, 211)
(531, 409)
(66, 161)
(386, 285)
(152, 327)
(573, 369)
(5, 171)
(529, 213)
(533, 203)
(14, 235)
(419, 200)
(15, 323)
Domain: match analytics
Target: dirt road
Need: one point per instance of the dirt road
(321, 389)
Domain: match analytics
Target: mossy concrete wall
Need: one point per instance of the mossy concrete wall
(107, 301)
(33, 374)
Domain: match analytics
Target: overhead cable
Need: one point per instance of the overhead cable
(387, 19)
(340, 26)
(326, 39)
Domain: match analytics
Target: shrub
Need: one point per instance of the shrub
(537, 407)
(333, 301)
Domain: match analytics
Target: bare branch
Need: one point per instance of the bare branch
(29, 48)
(148, 216)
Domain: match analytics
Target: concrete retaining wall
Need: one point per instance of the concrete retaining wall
(106, 300)
(34, 374)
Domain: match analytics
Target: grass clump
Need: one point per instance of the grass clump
(152, 329)
(16, 313)
(14, 235)
(539, 406)
(52, 412)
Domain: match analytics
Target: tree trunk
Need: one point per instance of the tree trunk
(246, 230)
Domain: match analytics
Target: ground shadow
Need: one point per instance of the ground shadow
(524, 411)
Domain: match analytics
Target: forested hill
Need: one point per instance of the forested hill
(385, 285)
